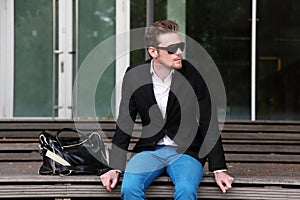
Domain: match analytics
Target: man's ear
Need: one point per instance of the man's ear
(152, 52)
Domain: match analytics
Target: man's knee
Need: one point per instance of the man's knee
(132, 191)
(185, 190)
(132, 187)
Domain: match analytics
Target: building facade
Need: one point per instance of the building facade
(45, 43)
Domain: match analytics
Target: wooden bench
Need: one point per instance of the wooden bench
(262, 156)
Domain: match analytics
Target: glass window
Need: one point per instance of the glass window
(224, 30)
(96, 24)
(33, 58)
(138, 18)
(278, 47)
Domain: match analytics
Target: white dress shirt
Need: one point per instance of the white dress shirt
(161, 91)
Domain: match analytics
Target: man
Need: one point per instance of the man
(172, 101)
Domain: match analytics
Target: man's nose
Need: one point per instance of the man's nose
(178, 52)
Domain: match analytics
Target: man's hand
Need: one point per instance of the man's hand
(223, 180)
(110, 179)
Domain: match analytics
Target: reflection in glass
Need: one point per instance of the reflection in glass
(96, 24)
(278, 60)
(224, 30)
(33, 58)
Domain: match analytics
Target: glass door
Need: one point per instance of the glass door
(52, 40)
(278, 46)
(227, 38)
(43, 58)
(33, 58)
(94, 88)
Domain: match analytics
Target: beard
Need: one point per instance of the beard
(177, 64)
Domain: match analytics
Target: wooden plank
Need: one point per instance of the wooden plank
(261, 136)
(245, 155)
(94, 179)
(56, 124)
(19, 146)
(33, 127)
(30, 156)
(274, 148)
(250, 193)
(265, 148)
(257, 126)
(262, 148)
(154, 191)
(239, 135)
(18, 140)
(35, 134)
(268, 171)
(262, 126)
(20, 134)
(274, 158)
(262, 142)
(90, 186)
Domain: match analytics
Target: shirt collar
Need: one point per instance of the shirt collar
(152, 69)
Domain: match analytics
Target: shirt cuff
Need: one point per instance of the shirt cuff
(220, 170)
(117, 170)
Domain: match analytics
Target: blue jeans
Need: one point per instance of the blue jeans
(185, 171)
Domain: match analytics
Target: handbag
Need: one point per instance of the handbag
(77, 153)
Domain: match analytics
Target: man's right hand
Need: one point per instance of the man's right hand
(110, 179)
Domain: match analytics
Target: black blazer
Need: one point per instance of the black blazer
(190, 118)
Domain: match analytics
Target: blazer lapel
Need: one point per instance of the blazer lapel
(149, 92)
(174, 89)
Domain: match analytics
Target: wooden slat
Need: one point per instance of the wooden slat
(262, 148)
(261, 128)
(80, 179)
(262, 142)
(295, 149)
(250, 193)
(30, 156)
(230, 157)
(89, 186)
(274, 158)
(256, 126)
(35, 134)
(249, 157)
(19, 147)
(154, 191)
(55, 124)
(261, 136)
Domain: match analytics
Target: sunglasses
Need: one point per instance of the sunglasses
(173, 47)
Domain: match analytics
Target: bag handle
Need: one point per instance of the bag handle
(70, 130)
(81, 169)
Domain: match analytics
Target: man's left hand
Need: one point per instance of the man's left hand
(223, 180)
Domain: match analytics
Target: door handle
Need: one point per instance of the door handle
(72, 52)
(62, 67)
(57, 52)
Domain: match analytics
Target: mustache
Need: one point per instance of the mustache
(178, 58)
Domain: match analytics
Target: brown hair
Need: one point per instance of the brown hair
(157, 28)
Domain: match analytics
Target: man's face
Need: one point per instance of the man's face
(163, 57)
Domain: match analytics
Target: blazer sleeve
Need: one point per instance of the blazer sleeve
(124, 127)
(208, 126)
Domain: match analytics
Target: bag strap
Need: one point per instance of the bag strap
(81, 169)
(69, 130)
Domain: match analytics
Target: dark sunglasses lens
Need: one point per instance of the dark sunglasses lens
(174, 47)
